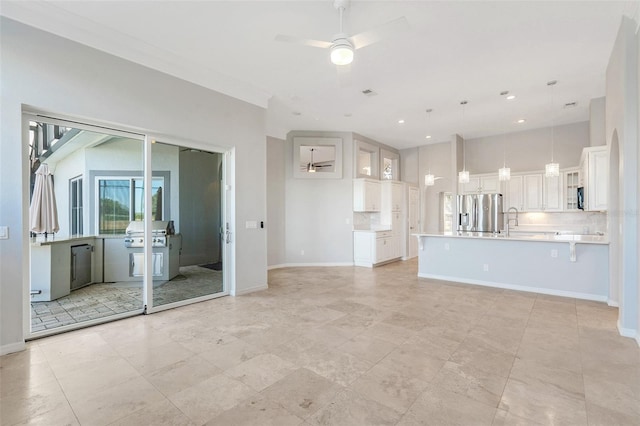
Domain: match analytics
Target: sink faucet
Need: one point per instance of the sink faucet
(515, 221)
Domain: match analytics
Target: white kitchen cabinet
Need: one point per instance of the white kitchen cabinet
(371, 248)
(571, 184)
(515, 198)
(552, 194)
(392, 196)
(532, 191)
(594, 177)
(481, 184)
(366, 195)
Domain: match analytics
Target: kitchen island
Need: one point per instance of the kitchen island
(564, 265)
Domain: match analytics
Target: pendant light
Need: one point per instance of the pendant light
(552, 169)
(463, 176)
(429, 179)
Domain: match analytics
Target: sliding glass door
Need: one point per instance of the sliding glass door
(137, 225)
(82, 184)
(187, 243)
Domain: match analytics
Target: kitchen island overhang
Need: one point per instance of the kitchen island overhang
(570, 267)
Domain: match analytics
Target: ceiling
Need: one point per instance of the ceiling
(452, 51)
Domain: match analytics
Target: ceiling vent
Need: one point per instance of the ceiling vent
(570, 105)
(368, 92)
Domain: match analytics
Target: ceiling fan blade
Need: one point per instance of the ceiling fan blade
(380, 32)
(303, 41)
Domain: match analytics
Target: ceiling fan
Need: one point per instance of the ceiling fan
(312, 167)
(343, 46)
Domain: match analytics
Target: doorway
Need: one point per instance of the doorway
(139, 229)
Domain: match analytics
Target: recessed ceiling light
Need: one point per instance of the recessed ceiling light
(400, 121)
(428, 137)
(522, 120)
(511, 97)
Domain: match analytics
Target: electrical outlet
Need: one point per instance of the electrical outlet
(486, 267)
(301, 252)
(4, 232)
(446, 246)
(554, 253)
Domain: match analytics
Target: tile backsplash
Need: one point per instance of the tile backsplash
(574, 222)
(366, 220)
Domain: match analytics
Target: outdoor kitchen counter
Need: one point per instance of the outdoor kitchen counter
(74, 239)
(564, 265)
(51, 265)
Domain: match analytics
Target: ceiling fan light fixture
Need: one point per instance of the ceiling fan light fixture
(341, 52)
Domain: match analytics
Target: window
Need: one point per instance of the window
(390, 165)
(75, 207)
(121, 200)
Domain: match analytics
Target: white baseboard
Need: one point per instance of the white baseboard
(302, 265)
(628, 332)
(12, 347)
(250, 290)
(613, 303)
(575, 295)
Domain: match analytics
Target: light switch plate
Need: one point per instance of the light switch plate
(4, 232)
(252, 224)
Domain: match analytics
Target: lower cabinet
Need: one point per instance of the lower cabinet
(371, 248)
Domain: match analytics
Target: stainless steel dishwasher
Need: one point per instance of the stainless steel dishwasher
(80, 266)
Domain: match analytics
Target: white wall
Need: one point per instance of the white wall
(527, 150)
(622, 125)
(597, 132)
(70, 167)
(54, 74)
(318, 212)
(435, 158)
(276, 223)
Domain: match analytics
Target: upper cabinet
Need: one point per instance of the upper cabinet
(514, 190)
(392, 196)
(481, 184)
(533, 192)
(366, 195)
(594, 177)
(571, 184)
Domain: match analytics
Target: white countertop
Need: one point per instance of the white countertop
(576, 238)
(372, 230)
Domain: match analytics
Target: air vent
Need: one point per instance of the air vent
(368, 92)
(570, 105)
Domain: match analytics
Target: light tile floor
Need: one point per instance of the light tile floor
(337, 346)
(106, 299)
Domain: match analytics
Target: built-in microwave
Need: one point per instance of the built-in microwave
(581, 198)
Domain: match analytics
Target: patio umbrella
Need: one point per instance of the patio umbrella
(43, 212)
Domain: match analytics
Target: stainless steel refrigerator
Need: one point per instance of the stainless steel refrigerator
(480, 213)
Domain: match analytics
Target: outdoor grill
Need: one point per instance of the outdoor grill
(159, 231)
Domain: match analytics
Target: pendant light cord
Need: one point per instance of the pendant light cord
(464, 141)
(551, 85)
